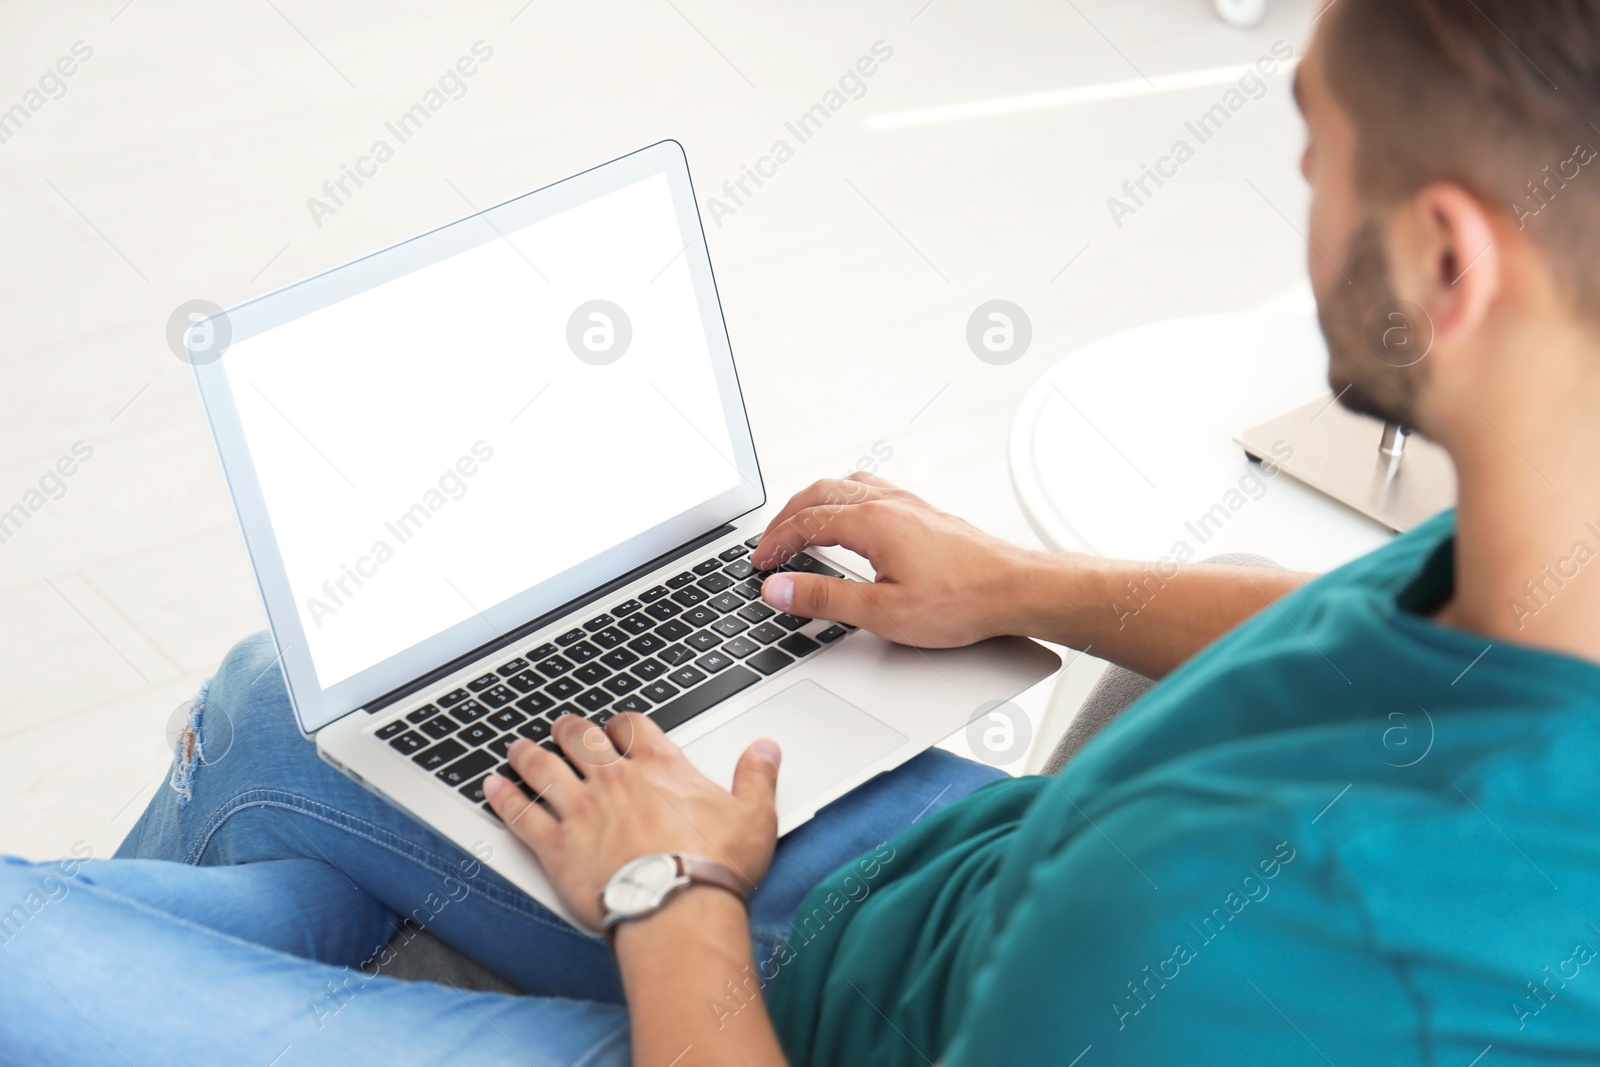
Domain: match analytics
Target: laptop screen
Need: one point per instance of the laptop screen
(445, 452)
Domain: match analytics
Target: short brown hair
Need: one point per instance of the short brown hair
(1496, 96)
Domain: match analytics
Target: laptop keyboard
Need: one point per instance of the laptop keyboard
(676, 650)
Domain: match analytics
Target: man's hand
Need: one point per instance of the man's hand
(942, 582)
(634, 793)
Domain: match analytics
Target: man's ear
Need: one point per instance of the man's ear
(1443, 257)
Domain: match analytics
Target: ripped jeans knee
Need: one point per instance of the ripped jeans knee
(198, 735)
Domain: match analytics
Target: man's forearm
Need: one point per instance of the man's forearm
(1147, 617)
(693, 993)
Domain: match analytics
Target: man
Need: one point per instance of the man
(1357, 822)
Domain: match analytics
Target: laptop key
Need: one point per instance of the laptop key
(645, 644)
(739, 568)
(659, 691)
(471, 711)
(563, 688)
(811, 565)
(455, 696)
(478, 685)
(686, 677)
(730, 626)
(427, 711)
(715, 583)
(832, 634)
(692, 703)
(627, 607)
(729, 554)
(767, 633)
(770, 660)
(392, 729)
(505, 718)
(477, 734)
(662, 610)
(674, 630)
(543, 651)
(752, 542)
(637, 623)
(497, 696)
(678, 581)
(501, 745)
(409, 742)
(439, 726)
(582, 652)
(757, 612)
(649, 669)
(688, 596)
(654, 593)
(466, 768)
(712, 662)
(599, 622)
(622, 684)
(703, 640)
(537, 730)
(473, 790)
(634, 703)
(534, 703)
(610, 637)
(569, 637)
(591, 673)
(698, 617)
(750, 588)
(431, 759)
(618, 658)
(674, 655)
(516, 666)
(526, 682)
(593, 699)
(790, 622)
(555, 666)
(726, 602)
(740, 647)
(707, 566)
(798, 645)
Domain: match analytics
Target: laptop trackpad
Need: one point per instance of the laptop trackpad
(825, 739)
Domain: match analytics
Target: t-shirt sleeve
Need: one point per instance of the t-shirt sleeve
(1222, 934)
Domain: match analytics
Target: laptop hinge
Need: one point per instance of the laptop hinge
(514, 636)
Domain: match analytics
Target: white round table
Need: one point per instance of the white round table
(1125, 448)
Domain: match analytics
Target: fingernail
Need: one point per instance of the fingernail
(778, 590)
(767, 749)
(492, 784)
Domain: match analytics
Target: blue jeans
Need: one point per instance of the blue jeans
(241, 919)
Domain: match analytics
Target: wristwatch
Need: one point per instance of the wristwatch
(643, 886)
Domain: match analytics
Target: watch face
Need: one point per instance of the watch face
(640, 885)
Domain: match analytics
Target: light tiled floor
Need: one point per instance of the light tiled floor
(178, 163)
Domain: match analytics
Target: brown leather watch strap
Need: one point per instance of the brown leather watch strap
(702, 871)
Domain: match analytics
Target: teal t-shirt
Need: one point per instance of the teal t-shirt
(1341, 834)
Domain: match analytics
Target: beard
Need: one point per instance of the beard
(1373, 337)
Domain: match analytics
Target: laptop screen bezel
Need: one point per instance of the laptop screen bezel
(316, 705)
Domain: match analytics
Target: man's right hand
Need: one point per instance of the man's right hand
(941, 582)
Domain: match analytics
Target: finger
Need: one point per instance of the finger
(637, 736)
(546, 773)
(530, 821)
(755, 779)
(811, 596)
(828, 491)
(860, 529)
(872, 480)
(585, 744)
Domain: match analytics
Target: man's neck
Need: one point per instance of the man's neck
(1528, 528)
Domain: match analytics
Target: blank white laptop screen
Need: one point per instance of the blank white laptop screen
(429, 448)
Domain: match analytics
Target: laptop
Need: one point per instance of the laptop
(502, 472)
